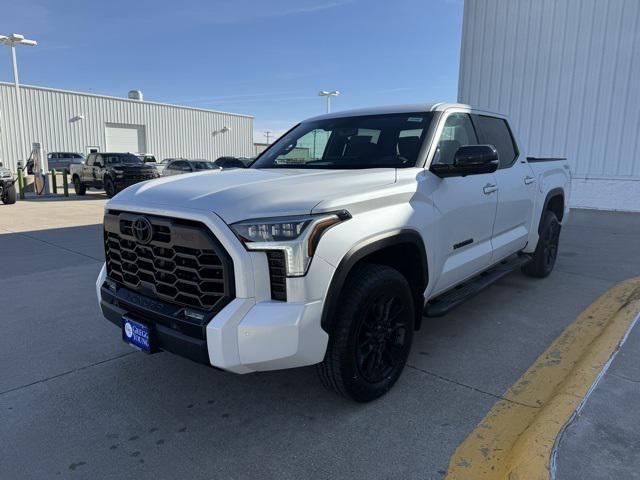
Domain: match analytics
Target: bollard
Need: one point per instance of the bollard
(21, 182)
(65, 183)
(54, 181)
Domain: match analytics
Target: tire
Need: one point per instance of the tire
(109, 187)
(371, 338)
(544, 258)
(9, 197)
(79, 187)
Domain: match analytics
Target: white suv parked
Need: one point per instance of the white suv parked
(332, 246)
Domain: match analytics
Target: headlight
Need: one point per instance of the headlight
(118, 173)
(296, 236)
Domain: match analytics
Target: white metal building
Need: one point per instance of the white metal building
(567, 72)
(79, 122)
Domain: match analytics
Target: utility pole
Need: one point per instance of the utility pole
(267, 133)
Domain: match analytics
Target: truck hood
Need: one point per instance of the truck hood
(242, 194)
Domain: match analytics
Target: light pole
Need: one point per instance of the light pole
(329, 94)
(12, 41)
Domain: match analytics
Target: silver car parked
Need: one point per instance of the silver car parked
(62, 160)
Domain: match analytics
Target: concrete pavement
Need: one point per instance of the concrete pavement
(75, 402)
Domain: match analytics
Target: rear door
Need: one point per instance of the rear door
(516, 188)
(467, 207)
(53, 162)
(64, 160)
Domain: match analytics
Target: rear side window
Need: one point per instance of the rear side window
(495, 131)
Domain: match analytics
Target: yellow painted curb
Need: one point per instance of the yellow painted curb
(515, 439)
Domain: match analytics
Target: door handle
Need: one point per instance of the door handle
(529, 180)
(489, 188)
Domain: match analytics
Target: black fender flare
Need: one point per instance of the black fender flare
(362, 250)
(554, 192)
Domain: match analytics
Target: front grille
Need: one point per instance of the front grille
(183, 263)
(137, 176)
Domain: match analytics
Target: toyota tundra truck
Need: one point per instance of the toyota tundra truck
(332, 247)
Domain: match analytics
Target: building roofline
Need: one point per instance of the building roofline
(124, 99)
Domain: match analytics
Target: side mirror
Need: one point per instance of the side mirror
(469, 160)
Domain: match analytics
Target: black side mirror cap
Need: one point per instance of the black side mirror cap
(469, 160)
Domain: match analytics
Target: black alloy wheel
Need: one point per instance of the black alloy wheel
(546, 253)
(109, 187)
(370, 339)
(381, 339)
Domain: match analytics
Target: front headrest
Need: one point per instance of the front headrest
(408, 146)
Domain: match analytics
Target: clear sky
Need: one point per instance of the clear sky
(267, 58)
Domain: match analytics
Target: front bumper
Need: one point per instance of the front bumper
(245, 336)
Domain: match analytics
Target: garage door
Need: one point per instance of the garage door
(125, 138)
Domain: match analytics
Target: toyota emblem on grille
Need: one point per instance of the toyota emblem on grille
(142, 230)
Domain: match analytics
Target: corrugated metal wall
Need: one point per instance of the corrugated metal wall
(567, 72)
(170, 130)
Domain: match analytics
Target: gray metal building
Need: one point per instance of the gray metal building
(79, 122)
(567, 74)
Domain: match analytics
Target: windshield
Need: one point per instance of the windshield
(114, 158)
(374, 141)
(200, 165)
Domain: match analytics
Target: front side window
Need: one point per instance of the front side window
(372, 141)
(495, 131)
(91, 160)
(457, 132)
(202, 165)
(180, 166)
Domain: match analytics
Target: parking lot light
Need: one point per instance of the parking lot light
(328, 94)
(11, 41)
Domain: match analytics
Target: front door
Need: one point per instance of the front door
(466, 206)
(516, 188)
(87, 170)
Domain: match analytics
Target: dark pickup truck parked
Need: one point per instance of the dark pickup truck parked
(111, 171)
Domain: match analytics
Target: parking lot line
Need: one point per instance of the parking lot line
(516, 438)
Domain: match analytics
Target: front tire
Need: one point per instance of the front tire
(546, 253)
(78, 186)
(370, 342)
(9, 197)
(109, 187)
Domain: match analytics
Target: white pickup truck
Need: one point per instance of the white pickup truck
(333, 245)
